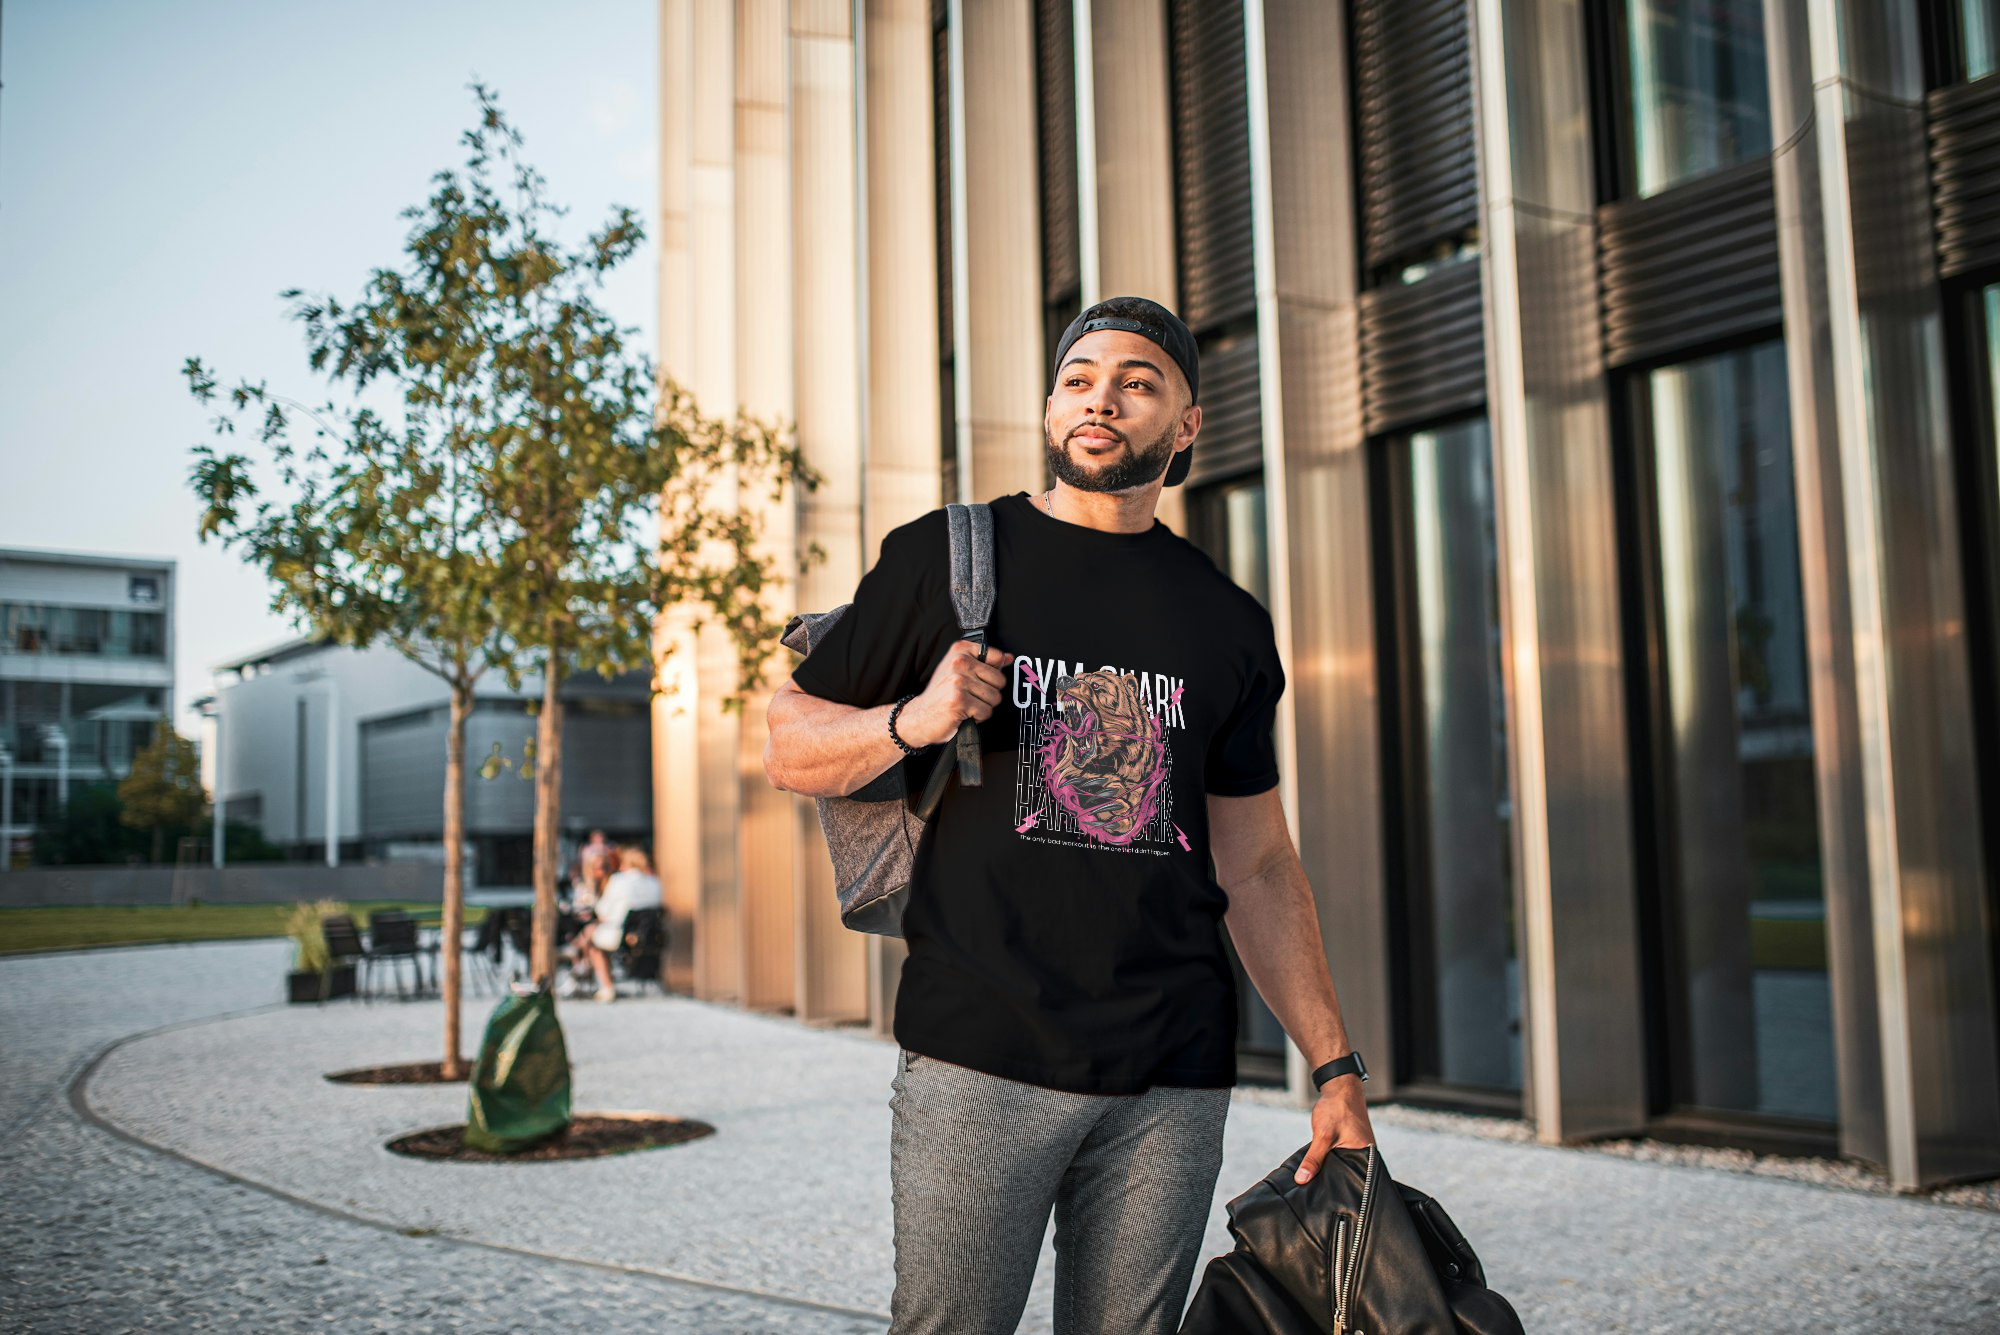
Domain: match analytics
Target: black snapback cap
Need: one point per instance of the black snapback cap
(1148, 319)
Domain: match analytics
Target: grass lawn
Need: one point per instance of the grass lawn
(23, 931)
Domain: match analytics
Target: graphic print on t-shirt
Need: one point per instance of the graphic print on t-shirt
(1094, 766)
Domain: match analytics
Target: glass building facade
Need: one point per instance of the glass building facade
(1603, 398)
(86, 678)
(1441, 658)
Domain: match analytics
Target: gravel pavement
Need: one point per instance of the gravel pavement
(173, 1161)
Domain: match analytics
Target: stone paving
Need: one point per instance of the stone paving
(173, 1161)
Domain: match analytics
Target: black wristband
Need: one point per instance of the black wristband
(908, 750)
(1351, 1064)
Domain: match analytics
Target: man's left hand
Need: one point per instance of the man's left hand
(1340, 1117)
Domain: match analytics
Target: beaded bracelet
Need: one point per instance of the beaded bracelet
(908, 750)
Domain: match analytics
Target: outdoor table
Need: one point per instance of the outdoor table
(501, 897)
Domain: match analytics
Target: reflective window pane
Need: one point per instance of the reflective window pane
(1698, 87)
(1990, 305)
(1226, 520)
(1461, 931)
(1979, 28)
(1752, 1012)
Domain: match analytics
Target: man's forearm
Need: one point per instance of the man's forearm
(1275, 930)
(822, 748)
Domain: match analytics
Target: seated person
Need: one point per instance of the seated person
(594, 862)
(633, 886)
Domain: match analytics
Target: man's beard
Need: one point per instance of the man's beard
(1134, 468)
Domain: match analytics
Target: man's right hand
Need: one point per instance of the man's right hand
(960, 688)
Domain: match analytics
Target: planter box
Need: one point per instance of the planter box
(304, 987)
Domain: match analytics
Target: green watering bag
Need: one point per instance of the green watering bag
(520, 1087)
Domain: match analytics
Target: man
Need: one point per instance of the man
(1067, 1014)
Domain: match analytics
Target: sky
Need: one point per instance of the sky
(166, 169)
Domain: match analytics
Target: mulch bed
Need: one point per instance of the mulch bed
(589, 1136)
(409, 1073)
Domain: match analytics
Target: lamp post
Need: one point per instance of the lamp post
(211, 709)
(54, 736)
(6, 808)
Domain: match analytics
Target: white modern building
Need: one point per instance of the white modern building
(86, 675)
(307, 738)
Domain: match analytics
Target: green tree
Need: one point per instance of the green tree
(163, 792)
(532, 501)
(379, 531)
(88, 830)
(610, 487)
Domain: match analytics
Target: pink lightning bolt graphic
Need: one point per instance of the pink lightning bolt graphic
(1173, 700)
(1028, 671)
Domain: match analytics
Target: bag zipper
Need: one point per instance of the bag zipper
(1345, 1291)
(1339, 1262)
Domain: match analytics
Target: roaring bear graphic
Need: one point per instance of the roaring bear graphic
(1104, 756)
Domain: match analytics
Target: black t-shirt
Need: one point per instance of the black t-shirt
(1062, 925)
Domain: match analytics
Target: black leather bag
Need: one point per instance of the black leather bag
(1351, 1252)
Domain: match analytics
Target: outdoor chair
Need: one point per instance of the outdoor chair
(490, 943)
(392, 938)
(480, 953)
(642, 946)
(499, 929)
(343, 941)
(520, 933)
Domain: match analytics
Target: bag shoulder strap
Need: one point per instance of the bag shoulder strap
(971, 528)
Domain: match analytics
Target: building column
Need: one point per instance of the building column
(1000, 382)
(1125, 151)
(1315, 466)
(1912, 977)
(829, 961)
(676, 780)
(896, 329)
(1563, 657)
(696, 794)
(766, 828)
(1125, 165)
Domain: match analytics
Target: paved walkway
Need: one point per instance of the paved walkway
(170, 1160)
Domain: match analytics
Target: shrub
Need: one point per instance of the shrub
(308, 939)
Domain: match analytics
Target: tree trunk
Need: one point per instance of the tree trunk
(548, 817)
(158, 835)
(454, 875)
